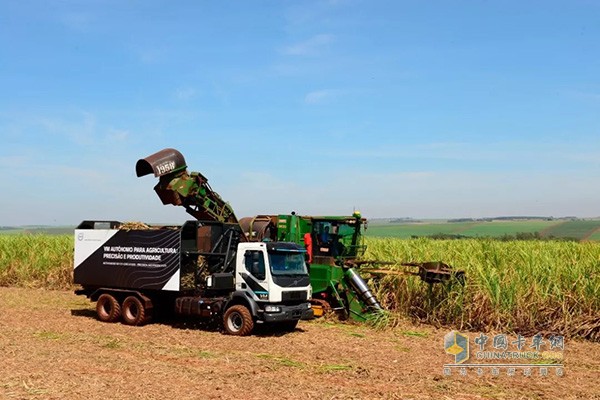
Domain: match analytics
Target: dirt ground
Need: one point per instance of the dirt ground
(52, 347)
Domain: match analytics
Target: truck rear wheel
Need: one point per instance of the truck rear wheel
(134, 312)
(238, 321)
(108, 308)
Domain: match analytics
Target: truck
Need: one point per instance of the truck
(205, 268)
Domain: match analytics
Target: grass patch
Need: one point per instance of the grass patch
(335, 367)
(204, 354)
(283, 361)
(49, 335)
(360, 335)
(32, 390)
(112, 344)
(415, 334)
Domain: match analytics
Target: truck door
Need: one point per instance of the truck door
(255, 274)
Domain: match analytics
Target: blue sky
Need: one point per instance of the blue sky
(396, 108)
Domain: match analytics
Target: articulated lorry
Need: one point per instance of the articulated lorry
(205, 268)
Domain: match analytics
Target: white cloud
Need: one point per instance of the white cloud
(95, 192)
(444, 194)
(186, 93)
(310, 46)
(151, 55)
(320, 96)
(88, 178)
(81, 128)
(508, 153)
(586, 95)
(220, 93)
(76, 21)
(81, 132)
(13, 161)
(419, 194)
(117, 135)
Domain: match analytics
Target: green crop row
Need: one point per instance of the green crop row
(518, 286)
(580, 229)
(577, 229)
(36, 261)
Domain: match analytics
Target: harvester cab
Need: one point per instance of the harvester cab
(338, 237)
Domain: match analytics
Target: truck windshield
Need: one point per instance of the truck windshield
(287, 263)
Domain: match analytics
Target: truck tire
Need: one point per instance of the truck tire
(238, 321)
(108, 308)
(134, 312)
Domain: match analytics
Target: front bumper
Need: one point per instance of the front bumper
(290, 313)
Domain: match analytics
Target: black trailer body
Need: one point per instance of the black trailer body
(152, 259)
(128, 259)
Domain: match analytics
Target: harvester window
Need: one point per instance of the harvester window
(325, 232)
(325, 238)
(255, 264)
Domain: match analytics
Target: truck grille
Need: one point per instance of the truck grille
(297, 295)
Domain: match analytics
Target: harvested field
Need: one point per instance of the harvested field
(54, 348)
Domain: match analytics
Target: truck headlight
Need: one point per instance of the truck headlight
(272, 309)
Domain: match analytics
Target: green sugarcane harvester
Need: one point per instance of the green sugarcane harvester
(334, 244)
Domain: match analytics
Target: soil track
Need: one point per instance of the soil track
(52, 347)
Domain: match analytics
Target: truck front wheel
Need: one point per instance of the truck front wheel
(108, 308)
(134, 312)
(238, 321)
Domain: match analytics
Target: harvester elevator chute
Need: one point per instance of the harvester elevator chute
(178, 187)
